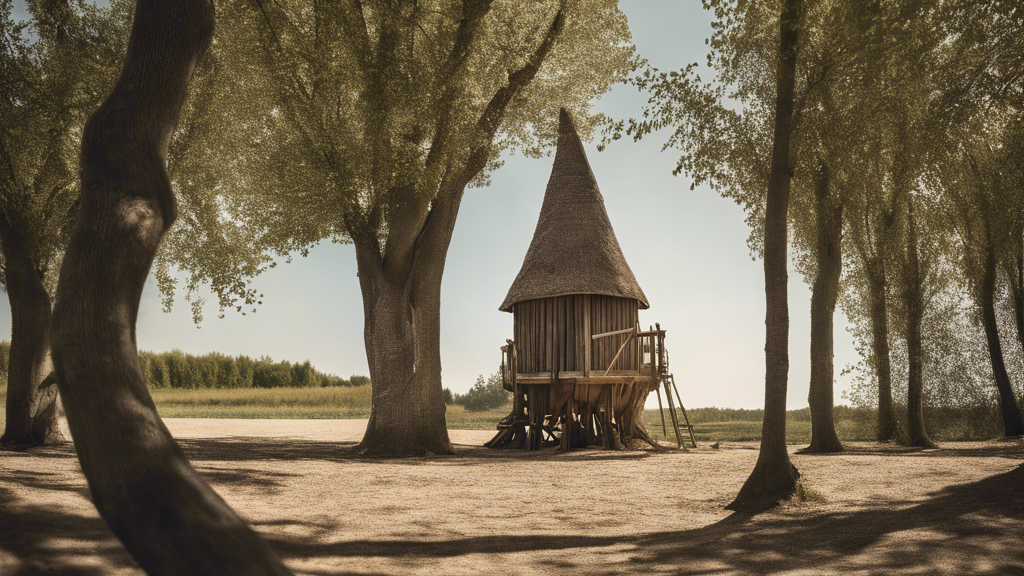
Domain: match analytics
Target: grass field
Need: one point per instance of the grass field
(710, 424)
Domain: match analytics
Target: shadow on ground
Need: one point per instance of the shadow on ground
(979, 525)
(964, 521)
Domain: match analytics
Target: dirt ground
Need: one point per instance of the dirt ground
(957, 510)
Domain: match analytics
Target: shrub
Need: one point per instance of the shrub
(485, 395)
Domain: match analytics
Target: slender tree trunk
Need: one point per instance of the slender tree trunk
(914, 299)
(774, 476)
(1012, 425)
(888, 428)
(170, 520)
(1016, 276)
(32, 407)
(824, 294)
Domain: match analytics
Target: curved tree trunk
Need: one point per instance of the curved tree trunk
(824, 294)
(170, 520)
(774, 476)
(1012, 425)
(914, 298)
(32, 407)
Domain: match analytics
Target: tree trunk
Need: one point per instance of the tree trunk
(32, 407)
(914, 299)
(824, 294)
(1016, 276)
(774, 476)
(170, 520)
(402, 335)
(1012, 425)
(888, 428)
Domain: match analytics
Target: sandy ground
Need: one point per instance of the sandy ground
(958, 510)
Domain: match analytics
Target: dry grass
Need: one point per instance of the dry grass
(335, 402)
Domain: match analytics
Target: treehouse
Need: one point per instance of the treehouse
(579, 366)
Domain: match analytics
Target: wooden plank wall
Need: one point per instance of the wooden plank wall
(608, 314)
(549, 332)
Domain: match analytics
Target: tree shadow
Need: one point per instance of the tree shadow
(27, 530)
(980, 522)
(977, 521)
(1010, 449)
(246, 448)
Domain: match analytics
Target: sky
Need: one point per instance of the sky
(686, 248)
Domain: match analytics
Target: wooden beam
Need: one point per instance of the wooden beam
(623, 331)
(621, 348)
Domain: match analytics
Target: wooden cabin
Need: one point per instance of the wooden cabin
(579, 366)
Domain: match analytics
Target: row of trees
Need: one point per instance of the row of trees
(365, 121)
(897, 173)
(176, 369)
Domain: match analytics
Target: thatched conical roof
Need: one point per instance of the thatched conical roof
(574, 250)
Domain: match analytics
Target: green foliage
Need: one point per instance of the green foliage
(350, 120)
(55, 68)
(805, 494)
(175, 369)
(484, 395)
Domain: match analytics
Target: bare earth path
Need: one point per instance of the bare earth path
(958, 510)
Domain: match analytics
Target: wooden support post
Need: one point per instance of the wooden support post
(689, 428)
(675, 419)
(668, 393)
(661, 409)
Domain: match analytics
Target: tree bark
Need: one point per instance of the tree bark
(170, 520)
(33, 408)
(774, 476)
(402, 334)
(914, 299)
(1012, 425)
(824, 295)
(1016, 276)
(888, 428)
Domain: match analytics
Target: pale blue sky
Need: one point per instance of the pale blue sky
(687, 249)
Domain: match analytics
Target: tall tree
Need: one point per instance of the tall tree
(874, 233)
(56, 66)
(913, 295)
(774, 476)
(364, 122)
(978, 207)
(828, 255)
(170, 520)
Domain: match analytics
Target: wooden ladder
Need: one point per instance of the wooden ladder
(666, 380)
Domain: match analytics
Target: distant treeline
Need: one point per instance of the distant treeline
(713, 414)
(176, 369)
(484, 395)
